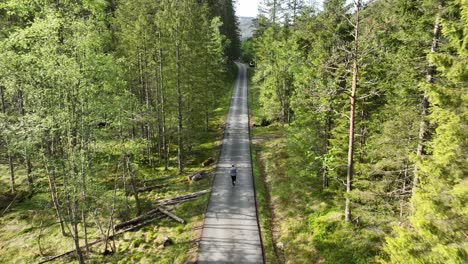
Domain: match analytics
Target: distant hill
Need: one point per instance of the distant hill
(246, 27)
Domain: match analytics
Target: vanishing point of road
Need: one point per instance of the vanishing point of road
(230, 232)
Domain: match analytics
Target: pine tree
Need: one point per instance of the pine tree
(437, 223)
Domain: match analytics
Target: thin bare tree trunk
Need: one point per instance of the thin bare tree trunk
(163, 112)
(111, 219)
(207, 109)
(12, 171)
(22, 112)
(73, 207)
(149, 108)
(131, 173)
(29, 173)
(274, 11)
(84, 169)
(10, 156)
(283, 101)
(352, 112)
(76, 238)
(328, 126)
(141, 92)
(157, 98)
(53, 188)
(424, 134)
(180, 153)
(403, 189)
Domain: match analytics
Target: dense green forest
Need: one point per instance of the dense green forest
(100, 101)
(360, 130)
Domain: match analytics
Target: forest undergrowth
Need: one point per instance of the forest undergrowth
(300, 222)
(359, 120)
(30, 233)
(105, 108)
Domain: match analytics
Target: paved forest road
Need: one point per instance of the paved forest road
(230, 233)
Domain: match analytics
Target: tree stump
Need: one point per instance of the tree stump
(196, 176)
(207, 162)
(167, 242)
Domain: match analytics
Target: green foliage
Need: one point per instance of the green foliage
(248, 52)
(274, 63)
(395, 219)
(435, 233)
(88, 95)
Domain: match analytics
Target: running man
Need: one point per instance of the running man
(233, 173)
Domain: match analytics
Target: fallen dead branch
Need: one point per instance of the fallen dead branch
(143, 220)
(8, 207)
(102, 239)
(181, 198)
(171, 215)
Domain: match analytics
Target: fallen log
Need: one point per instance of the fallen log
(208, 162)
(153, 213)
(137, 220)
(159, 209)
(181, 198)
(101, 240)
(196, 176)
(171, 215)
(172, 202)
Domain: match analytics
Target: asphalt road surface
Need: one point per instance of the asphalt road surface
(230, 232)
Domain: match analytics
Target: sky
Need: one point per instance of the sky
(247, 8)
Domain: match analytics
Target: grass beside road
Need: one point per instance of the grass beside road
(262, 195)
(284, 197)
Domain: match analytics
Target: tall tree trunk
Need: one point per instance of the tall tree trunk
(12, 171)
(328, 126)
(85, 223)
(72, 187)
(22, 112)
(163, 112)
(207, 108)
(84, 169)
(403, 188)
(53, 187)
(10, 155)
(29, 173)
(76, 238)
(352, 112)
(141, 93)
(157, 103)
(180, 154)
(424, 134)
(283, 101)
(149, 108)
(274, 11)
